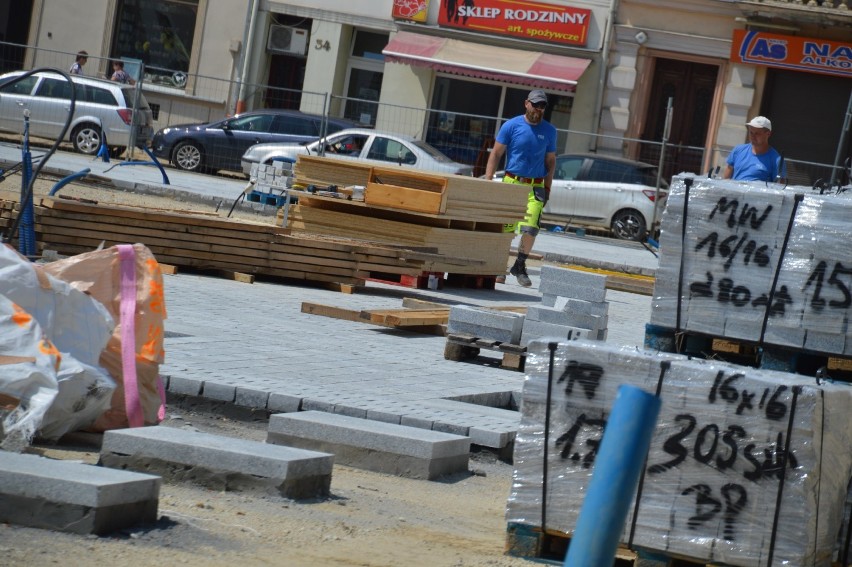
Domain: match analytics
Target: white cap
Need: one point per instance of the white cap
(760, 122)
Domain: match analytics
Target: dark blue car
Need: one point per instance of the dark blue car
(220, 145)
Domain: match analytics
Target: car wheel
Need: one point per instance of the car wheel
(188, 157)
(86, 139)
(628, 224)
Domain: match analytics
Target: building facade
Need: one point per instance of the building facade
(723, 62)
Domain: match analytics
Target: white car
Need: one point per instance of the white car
(592, 190)
(102, 108)
(362, 145)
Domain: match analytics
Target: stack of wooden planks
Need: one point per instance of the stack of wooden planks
(206, 242)
(461, 217)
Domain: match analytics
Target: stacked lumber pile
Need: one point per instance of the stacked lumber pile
(459, 216)
(205, 242)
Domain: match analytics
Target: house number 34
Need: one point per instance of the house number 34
(320, 44)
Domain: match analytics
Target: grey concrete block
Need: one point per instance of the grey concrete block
(503, 326)
(185, 386)
(597, 308)
(373, 445)
(251, 398)
(74, 497)
(452, 428)
(283, 403)
(221, 463)
(536, 330)
(219, 392)
(566, 318)
(818, 341)
(310, 404)
(492, 437)
(384, 416)
(351, 411)
(562, 289)
(415, 421)
(553, 275)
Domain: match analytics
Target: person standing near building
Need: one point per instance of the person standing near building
(77, 67)
(119, 75)
(529, 143)
(756, 160)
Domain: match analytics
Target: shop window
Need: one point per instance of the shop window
(369, 45)
(159, 34)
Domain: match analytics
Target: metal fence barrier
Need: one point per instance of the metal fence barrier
(177, 97)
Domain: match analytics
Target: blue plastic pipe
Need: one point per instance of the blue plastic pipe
(618, 466)
(66, 180)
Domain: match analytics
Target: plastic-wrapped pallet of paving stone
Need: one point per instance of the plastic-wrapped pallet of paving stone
(756, 262)
(746, 467)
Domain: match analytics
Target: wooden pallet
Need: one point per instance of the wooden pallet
(462, 347)
(550, 547)
(769, 357)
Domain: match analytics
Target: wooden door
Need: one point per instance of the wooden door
(691, 87)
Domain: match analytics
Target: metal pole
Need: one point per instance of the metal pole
(666, 131)
(618, 466)
(247, 52)
(134, 122)
(843, 132)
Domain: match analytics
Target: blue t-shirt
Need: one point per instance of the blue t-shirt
(750, 167)
(526, 146)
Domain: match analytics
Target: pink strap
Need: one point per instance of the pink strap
(132, 405)
(161, 413)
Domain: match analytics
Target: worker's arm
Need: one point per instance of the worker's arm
(494, 159)
(729, 172)
(550, 163)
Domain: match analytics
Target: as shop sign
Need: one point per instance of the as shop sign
(791, 52)
(528, 20)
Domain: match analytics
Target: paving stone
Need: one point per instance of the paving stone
(283, 403)
(220, 392)
(373, 445)
(221, 463)
(503, 326)
(185, 386)
(73, 497)
(536, 330)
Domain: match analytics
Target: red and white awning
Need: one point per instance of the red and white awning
(531, 68)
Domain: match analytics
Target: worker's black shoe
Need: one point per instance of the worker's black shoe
(520, 273)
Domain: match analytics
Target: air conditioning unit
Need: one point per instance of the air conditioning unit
(288, 40)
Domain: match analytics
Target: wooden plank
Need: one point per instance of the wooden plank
(331, 311)
(414, 303)
(406, 317)
(131, 213)
(397, 197)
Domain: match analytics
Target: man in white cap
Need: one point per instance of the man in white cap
(529, 143)
(756, 160)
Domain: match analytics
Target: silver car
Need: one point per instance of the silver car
(103, 108)
(597, 191)
(362, 145)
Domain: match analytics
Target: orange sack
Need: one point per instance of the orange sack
(98, 274)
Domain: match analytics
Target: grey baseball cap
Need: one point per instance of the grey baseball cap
(537, 96)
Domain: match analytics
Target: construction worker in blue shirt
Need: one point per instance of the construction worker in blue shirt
(529, 143)
(756, 160)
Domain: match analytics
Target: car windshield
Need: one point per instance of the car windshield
(623, 172)
(433, 152)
